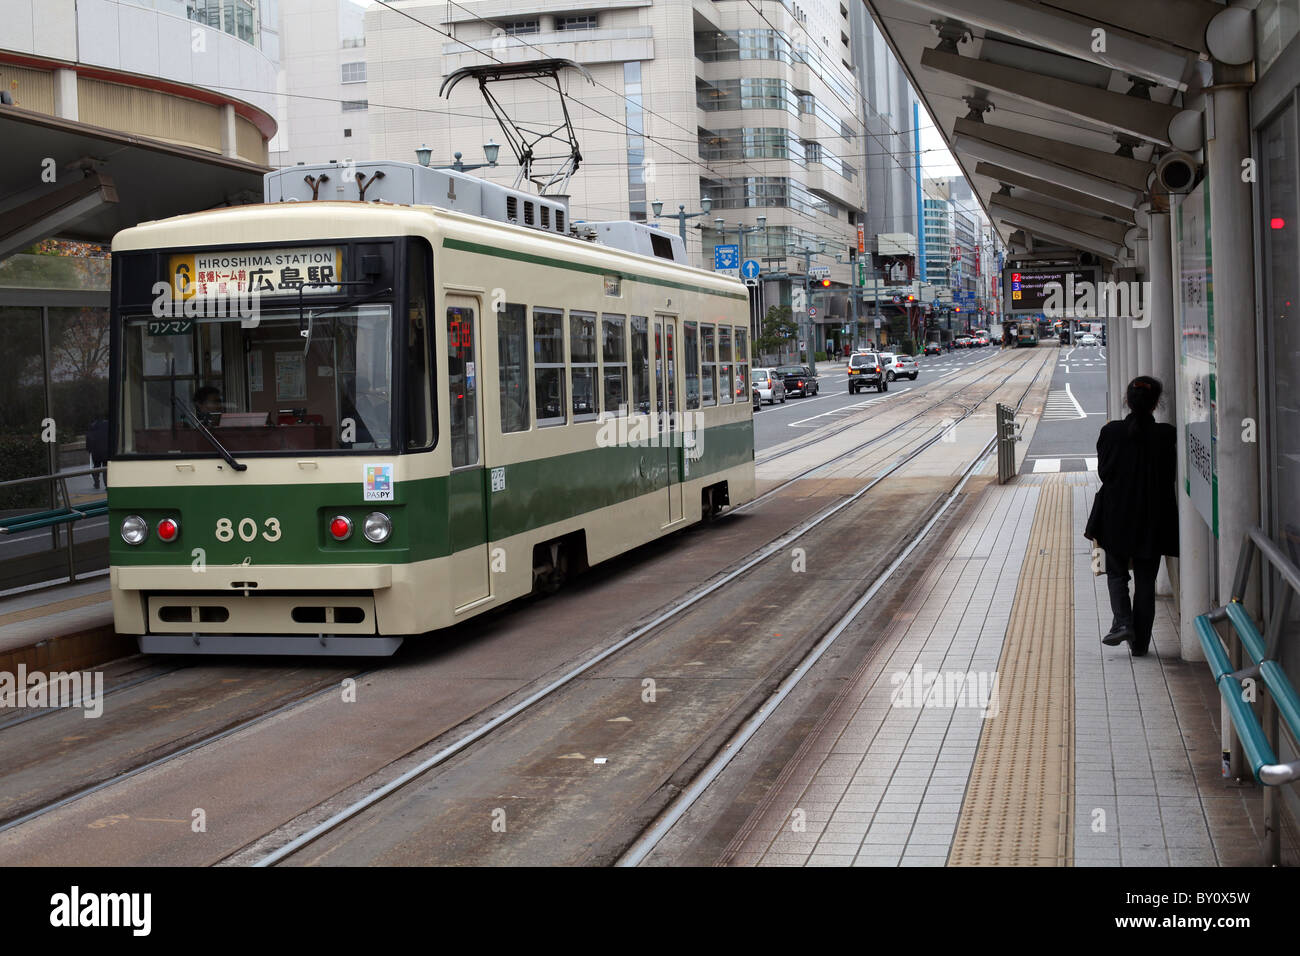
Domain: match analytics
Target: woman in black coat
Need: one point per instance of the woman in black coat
(1135, 515)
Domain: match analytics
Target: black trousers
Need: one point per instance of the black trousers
(1141, 615)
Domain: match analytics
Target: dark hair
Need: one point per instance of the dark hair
(1142, 396)
(207, 391)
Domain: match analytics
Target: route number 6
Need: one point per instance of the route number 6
(247, 529)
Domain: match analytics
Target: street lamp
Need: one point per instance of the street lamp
(491, 149)
(681, 215)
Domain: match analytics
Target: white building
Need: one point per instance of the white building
(754, 108)
(322, 101)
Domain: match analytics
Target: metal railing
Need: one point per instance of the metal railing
(1246, 659)
(55, 516)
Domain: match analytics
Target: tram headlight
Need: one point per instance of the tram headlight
(340, 527)
(134, 529)
(377, 528)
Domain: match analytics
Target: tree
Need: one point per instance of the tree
(778, 326)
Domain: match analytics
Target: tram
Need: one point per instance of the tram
(1027, 334)
(376, 408)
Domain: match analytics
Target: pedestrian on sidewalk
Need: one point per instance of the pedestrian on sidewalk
(97, 445)
(1134, 517)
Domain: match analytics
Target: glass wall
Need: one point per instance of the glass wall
(53, 420)
(1280, 262)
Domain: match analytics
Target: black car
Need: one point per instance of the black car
(865, 371)
(933, 348)
(798, 380)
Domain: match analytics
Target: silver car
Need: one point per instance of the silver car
(770, 387)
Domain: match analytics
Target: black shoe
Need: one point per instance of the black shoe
(1118, 635)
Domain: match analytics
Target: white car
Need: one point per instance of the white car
(899, 366)
(770, 387)
(1087, 339)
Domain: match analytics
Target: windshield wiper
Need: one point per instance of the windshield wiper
(305, 318)
(203, 430)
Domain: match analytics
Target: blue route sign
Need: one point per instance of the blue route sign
(726, 257)
(750, 269)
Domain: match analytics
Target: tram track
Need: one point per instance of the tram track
(670, 611)
(645, 844)
(818, 436)
(462, 744)
(863, 445)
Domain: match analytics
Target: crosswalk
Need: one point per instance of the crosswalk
(1039, 466)
(1062, 407)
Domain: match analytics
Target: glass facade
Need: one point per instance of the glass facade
(634, 117)
(766, 191)
(764, 142)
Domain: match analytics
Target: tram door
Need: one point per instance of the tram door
(466, 485)
(667, 335)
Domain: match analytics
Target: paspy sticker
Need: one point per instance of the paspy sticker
(378, 485)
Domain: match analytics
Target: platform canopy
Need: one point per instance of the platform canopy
(1057, 110)
(103, 180)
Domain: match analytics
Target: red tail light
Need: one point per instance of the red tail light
(340, 528)
(168, 529)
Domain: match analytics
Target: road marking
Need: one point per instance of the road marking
(1047, 465)
(1091, 463)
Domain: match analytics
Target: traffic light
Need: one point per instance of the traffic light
(958, 308)
(826, 283)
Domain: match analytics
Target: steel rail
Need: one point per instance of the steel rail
(442, 755)
(649, 839)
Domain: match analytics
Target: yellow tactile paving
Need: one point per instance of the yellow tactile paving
(1019, 804)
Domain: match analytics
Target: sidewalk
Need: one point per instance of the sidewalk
(992, 727)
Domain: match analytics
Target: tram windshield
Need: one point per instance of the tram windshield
(262, 388)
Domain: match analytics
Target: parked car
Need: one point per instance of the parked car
(768, 382)
(901, 366)
(758, 401)
(866, 371)
(933, 348)
(1087, 339)
(799, 380)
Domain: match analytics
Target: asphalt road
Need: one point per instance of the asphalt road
(1066, 438)
(774, 424)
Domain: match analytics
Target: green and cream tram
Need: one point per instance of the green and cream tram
(340, 423)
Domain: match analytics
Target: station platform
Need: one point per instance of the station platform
(991, 727)
(63, 628)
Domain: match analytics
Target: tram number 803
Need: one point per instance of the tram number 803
(247, 529)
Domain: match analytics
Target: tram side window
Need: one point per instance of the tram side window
(462, 399)
(419, 377)
(512, 359)
(614, 356)
(725, 390)
(742, 364)
(641, 363)
(691, 355)
(582, 349)
(548, 366)
(709, 377)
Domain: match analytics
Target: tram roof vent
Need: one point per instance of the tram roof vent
(416, 185)
(638, 237)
